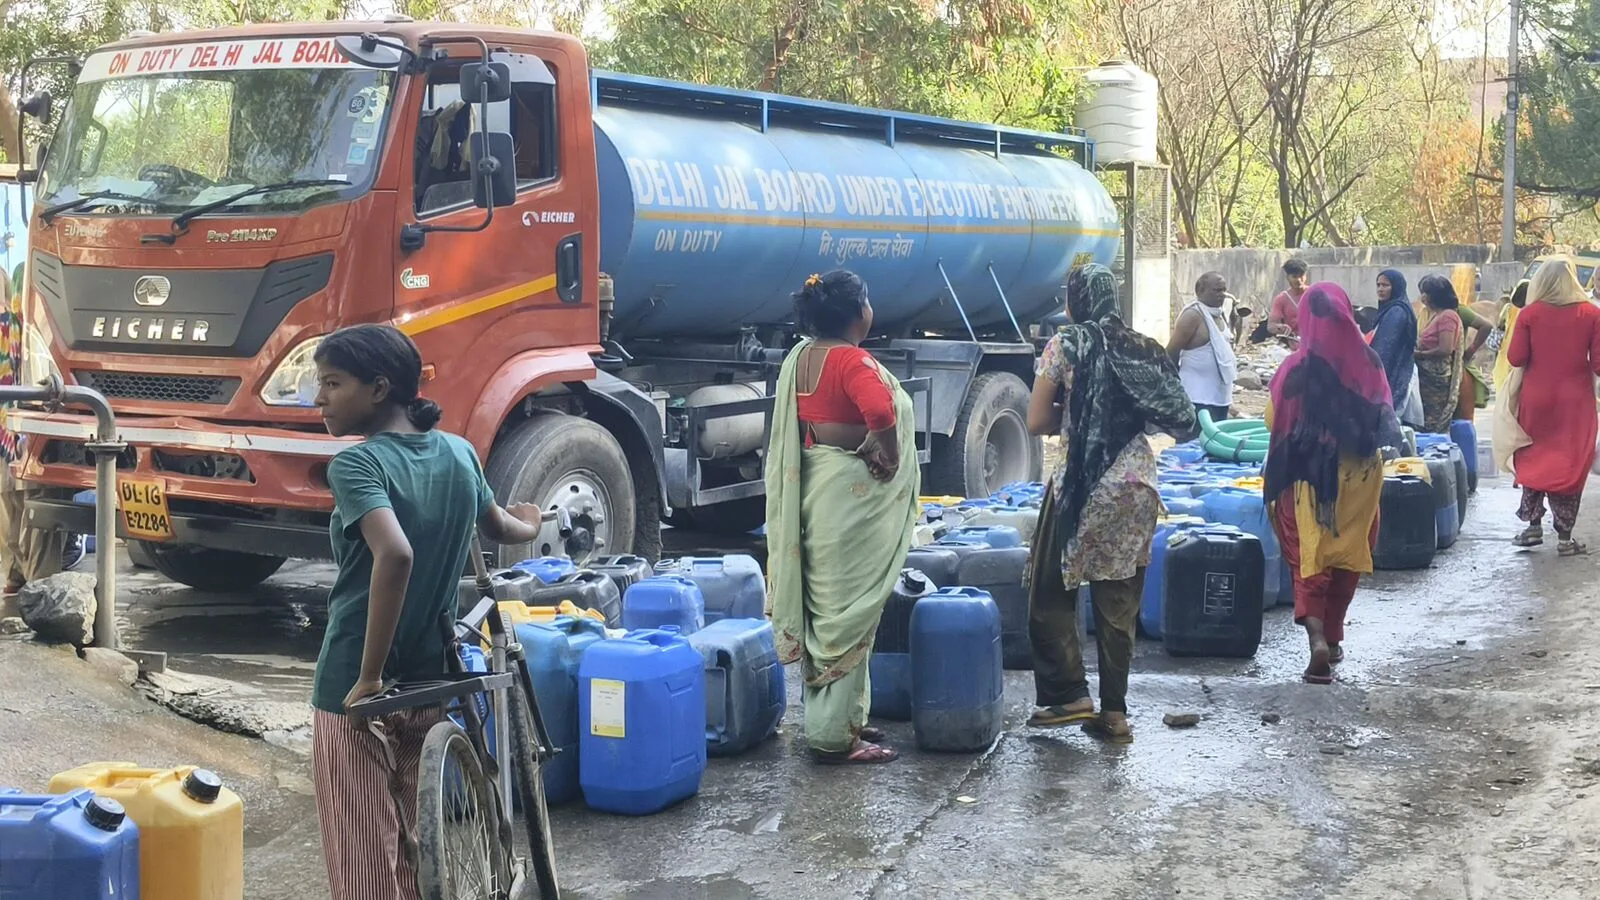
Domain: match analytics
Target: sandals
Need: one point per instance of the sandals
(865, 753)
(1321, 658)
(1532, 536)
(1335, 654)
(1571, 547)
(1051, 716)
(1100, 730)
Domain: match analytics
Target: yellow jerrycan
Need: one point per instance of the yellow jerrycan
(191, 828)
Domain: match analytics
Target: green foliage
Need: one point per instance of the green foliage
(1561, 102)
(1009, 61)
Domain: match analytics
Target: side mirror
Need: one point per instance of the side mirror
(370, 51)
(39, 106)
(29, 174)
(494, 156)
(495, 76)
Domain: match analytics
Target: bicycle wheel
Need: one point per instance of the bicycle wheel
(460, 852)
(530, 791)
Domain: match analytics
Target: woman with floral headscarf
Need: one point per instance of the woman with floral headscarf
(1330, 413)
(1101, 386)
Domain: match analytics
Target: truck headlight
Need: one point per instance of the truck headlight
(294, 382)
(37, 363)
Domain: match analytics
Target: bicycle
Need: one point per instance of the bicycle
(465, 843)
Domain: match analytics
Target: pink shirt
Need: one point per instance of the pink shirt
(1285, 311)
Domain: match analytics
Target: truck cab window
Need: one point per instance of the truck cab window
(442, 167)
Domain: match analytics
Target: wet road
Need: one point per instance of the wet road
(1360, 790)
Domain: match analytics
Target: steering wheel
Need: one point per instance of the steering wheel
(169, 177)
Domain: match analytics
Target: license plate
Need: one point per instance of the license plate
(144, 508)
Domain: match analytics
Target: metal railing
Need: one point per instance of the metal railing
(105, 448)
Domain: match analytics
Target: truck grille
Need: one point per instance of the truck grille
(160, 388)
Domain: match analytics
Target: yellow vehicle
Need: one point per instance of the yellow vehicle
(1587, 266)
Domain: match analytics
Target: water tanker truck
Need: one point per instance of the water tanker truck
(597, 268)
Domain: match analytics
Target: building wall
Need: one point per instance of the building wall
(1255, 276)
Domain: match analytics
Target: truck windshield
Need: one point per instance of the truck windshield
(166, 129)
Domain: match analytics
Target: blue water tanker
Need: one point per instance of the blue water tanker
(548, 569)
(957, 680)
(998, 572)
(1458, 462)
(1180, 503)
(715, 203)
(1212, 605)
(1000, 537)
(1465, 435)
(890, 663)
(938, 563)
(553, 654)
(1442, 478)
(663, 600)
(1244, 509)
(745, 692)
(1155, 574)
(1184, 454)
(642, 718)
(624, 571)
(734, 586)
(59, 846)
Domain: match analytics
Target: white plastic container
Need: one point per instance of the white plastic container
(1120, 113)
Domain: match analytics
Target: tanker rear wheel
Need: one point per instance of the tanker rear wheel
(991, 446)
(561, 460)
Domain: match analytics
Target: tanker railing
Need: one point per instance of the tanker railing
(959, 308)
(1007, 304)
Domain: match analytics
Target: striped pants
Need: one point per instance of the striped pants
(367, 802)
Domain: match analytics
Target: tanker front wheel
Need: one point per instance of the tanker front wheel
(205, 569)
(564, 461)
(991, 446)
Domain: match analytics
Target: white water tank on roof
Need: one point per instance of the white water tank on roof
(1119, 113)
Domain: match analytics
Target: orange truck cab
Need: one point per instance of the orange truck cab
(209, 205)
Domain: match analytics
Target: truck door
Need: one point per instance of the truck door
(472, 300)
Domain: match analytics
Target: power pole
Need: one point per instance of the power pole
(1508, 198)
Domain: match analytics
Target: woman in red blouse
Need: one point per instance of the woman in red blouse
(842, 485)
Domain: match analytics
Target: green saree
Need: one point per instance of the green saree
(836, 541)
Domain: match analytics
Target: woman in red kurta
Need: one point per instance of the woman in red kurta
(1557, 345)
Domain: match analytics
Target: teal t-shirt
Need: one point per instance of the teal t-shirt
(435, 486)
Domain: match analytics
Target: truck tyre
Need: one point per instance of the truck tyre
(991, 446)
(204, 569)
(733, 518)
(562, 460)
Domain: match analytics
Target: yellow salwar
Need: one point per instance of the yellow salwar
(1347, 545)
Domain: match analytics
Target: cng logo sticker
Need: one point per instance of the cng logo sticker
(413, 282)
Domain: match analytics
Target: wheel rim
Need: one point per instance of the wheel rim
(467, 829)
(1008, 452)
(588, 504)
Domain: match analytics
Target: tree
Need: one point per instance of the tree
(999, 60)
(1561, 102)
(1209, 105)
(1323, 65)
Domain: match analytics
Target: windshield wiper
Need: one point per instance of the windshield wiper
(50, 212)
(180, 222)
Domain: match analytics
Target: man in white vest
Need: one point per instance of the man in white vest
(1202, 350)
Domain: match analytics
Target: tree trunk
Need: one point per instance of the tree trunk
(9, 119)
(781, 42)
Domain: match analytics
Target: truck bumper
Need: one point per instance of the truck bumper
(247, 488)
(212, 532)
